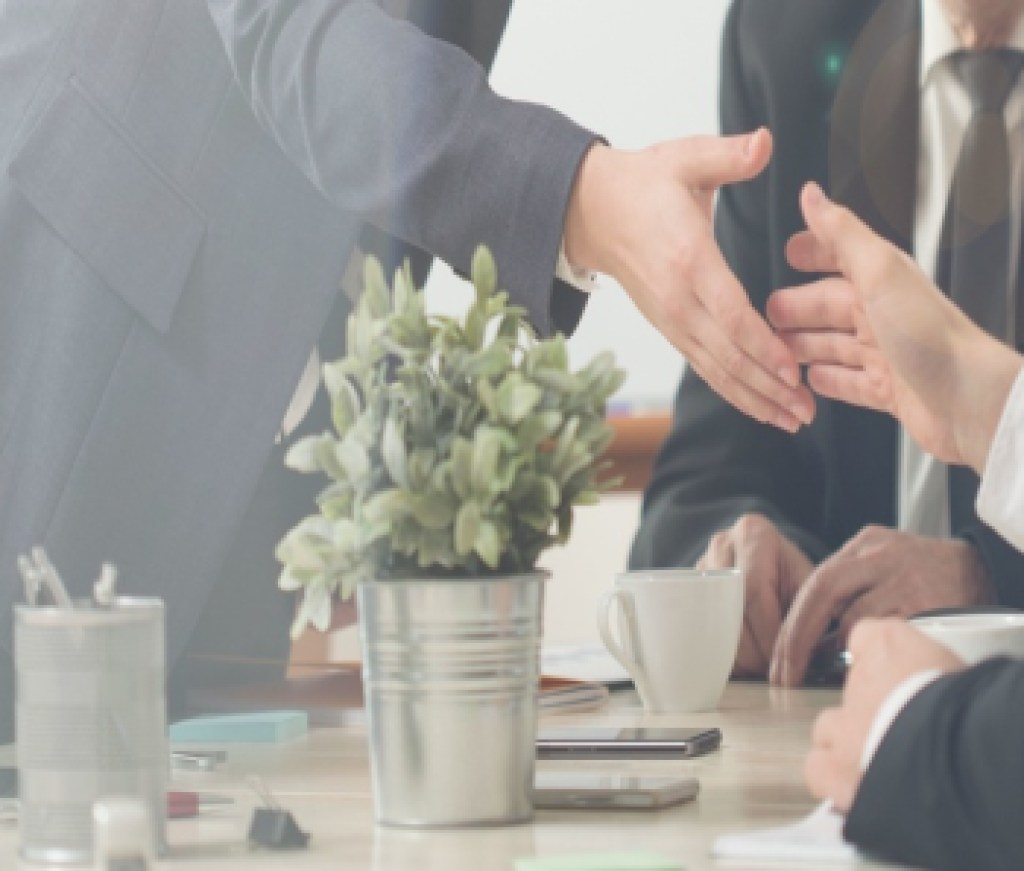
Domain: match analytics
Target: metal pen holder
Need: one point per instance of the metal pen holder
(91, 720)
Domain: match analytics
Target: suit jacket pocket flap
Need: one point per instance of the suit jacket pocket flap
(107, 201)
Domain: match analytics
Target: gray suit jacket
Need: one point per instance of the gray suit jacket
(181, 182)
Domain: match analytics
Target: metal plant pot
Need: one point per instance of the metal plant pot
(450, 671)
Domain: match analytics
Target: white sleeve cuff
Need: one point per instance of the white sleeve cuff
(891, 708)
(1001, 496)
(581, 279)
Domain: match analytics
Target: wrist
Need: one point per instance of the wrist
(588, 245)
(988, 373)
(980, 589)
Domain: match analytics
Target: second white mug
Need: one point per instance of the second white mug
(679, 630)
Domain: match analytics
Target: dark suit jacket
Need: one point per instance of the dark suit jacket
(181, 186)
(945, 789)
(837, 83)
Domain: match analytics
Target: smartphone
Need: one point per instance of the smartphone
(630, 743)
(610, 791)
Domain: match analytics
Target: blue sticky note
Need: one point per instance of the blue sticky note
(269, 727)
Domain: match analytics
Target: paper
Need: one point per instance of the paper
(590, 662)
(816, 838)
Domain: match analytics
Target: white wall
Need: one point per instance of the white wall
(636, 71)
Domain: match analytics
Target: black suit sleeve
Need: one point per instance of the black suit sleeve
(1003, 562)
(718, 464)
(945, 789)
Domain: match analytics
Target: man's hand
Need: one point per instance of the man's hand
(885, 653)
(774, 569)
(645, 219)
(879, 573)
(883, 336)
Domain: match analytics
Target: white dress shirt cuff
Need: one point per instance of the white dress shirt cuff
(1001, 496)
(581, 279)
(891, 708)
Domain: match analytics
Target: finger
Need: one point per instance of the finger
(750, 661)
(828, 779)
(864, 637)
(806, 253)
(712, 161)
(736, 392)
(826, 727)
(823, 596)
(720, 553)
(819, 773)
(878, 603)
(857, 386)
(763, 610)
(826, 348)
(741, 341)
(827, 304)
(857, 249)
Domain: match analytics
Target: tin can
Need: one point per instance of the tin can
(91, 721)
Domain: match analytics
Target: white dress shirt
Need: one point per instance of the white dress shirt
(945, 114)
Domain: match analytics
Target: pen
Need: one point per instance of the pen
(184, 805)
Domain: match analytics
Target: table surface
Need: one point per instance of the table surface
(753, 781)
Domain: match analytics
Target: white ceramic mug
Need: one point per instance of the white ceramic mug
(977, 636)
(679, 631)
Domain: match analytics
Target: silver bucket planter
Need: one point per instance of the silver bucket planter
(450, 671)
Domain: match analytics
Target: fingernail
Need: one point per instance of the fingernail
(815, 196)
(748, 150)
(801, 412)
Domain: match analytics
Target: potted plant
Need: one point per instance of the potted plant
(459, 451)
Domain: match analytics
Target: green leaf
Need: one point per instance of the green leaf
(560, 382)
(486, 450)
(375, 295)
(536, 428)
(467, 528)
(353, 458)
(346, 405)
(421, 467)
(488, 544)
(435, 510)
(517, 398)
(304, 455)
(393, 453)
(484, 272)
(336, 501)
(462, 467)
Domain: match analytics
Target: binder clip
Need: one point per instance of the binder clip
(273, 827)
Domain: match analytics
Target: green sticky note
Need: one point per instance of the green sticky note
(599, 862)
(270, 727)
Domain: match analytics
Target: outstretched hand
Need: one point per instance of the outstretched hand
(645, 218)
(881, 335)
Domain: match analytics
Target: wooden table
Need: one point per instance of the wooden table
(754, 781)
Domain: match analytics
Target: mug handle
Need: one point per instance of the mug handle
(604, 610)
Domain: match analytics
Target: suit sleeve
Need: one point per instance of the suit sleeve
(945, 790)
(403, 130)
(717, 464)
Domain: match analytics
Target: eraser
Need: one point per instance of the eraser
(269, 727)
(599, 862)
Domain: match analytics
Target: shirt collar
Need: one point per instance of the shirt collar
(939, 40)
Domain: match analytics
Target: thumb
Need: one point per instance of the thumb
(712, 161)
(852, 244)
